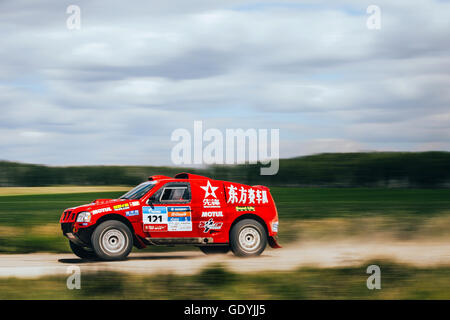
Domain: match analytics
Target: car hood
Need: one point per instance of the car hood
(96, 204)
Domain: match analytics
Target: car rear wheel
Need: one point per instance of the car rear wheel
(112, 240)
(215, 249)
(248, 238)
(82, 252)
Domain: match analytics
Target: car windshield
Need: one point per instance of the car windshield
(138, 191)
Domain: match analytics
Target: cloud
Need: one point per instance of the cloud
(112, 92)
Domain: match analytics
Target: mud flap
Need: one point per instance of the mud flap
(273, 243)
(138, 242)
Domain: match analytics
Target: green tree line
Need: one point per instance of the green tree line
(371, 169)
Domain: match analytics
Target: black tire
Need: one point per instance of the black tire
(112, 240)
(248, 238)
(81, 252)
(215, 249)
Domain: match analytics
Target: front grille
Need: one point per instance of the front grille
(68, 216)
(67, 227)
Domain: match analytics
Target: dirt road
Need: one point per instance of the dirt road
(314, 254)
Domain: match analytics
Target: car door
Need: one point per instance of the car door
(168, 212)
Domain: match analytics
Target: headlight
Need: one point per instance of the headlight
(84, 217)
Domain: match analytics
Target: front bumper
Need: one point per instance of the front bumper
(80, 236)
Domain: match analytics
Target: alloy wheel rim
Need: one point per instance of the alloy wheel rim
(113, 241)
(249, 239)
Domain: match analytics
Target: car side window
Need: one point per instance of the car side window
(172, 193)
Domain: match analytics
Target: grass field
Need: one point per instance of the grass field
(397, 282)
(29, 222)
(301, 203)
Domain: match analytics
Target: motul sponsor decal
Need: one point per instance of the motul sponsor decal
(211, 214)
(101, 210)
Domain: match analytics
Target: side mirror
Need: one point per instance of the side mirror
(150, 202)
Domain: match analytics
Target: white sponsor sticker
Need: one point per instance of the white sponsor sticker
(211, 214)
(210, 199)
(101, 210)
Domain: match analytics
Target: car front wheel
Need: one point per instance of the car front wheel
(82, 252)
(112, 240)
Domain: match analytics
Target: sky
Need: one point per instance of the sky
(113, 91)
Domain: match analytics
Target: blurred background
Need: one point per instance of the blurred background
(339, 213)
(91, 91)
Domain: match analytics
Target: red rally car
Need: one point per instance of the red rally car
(214, 215)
